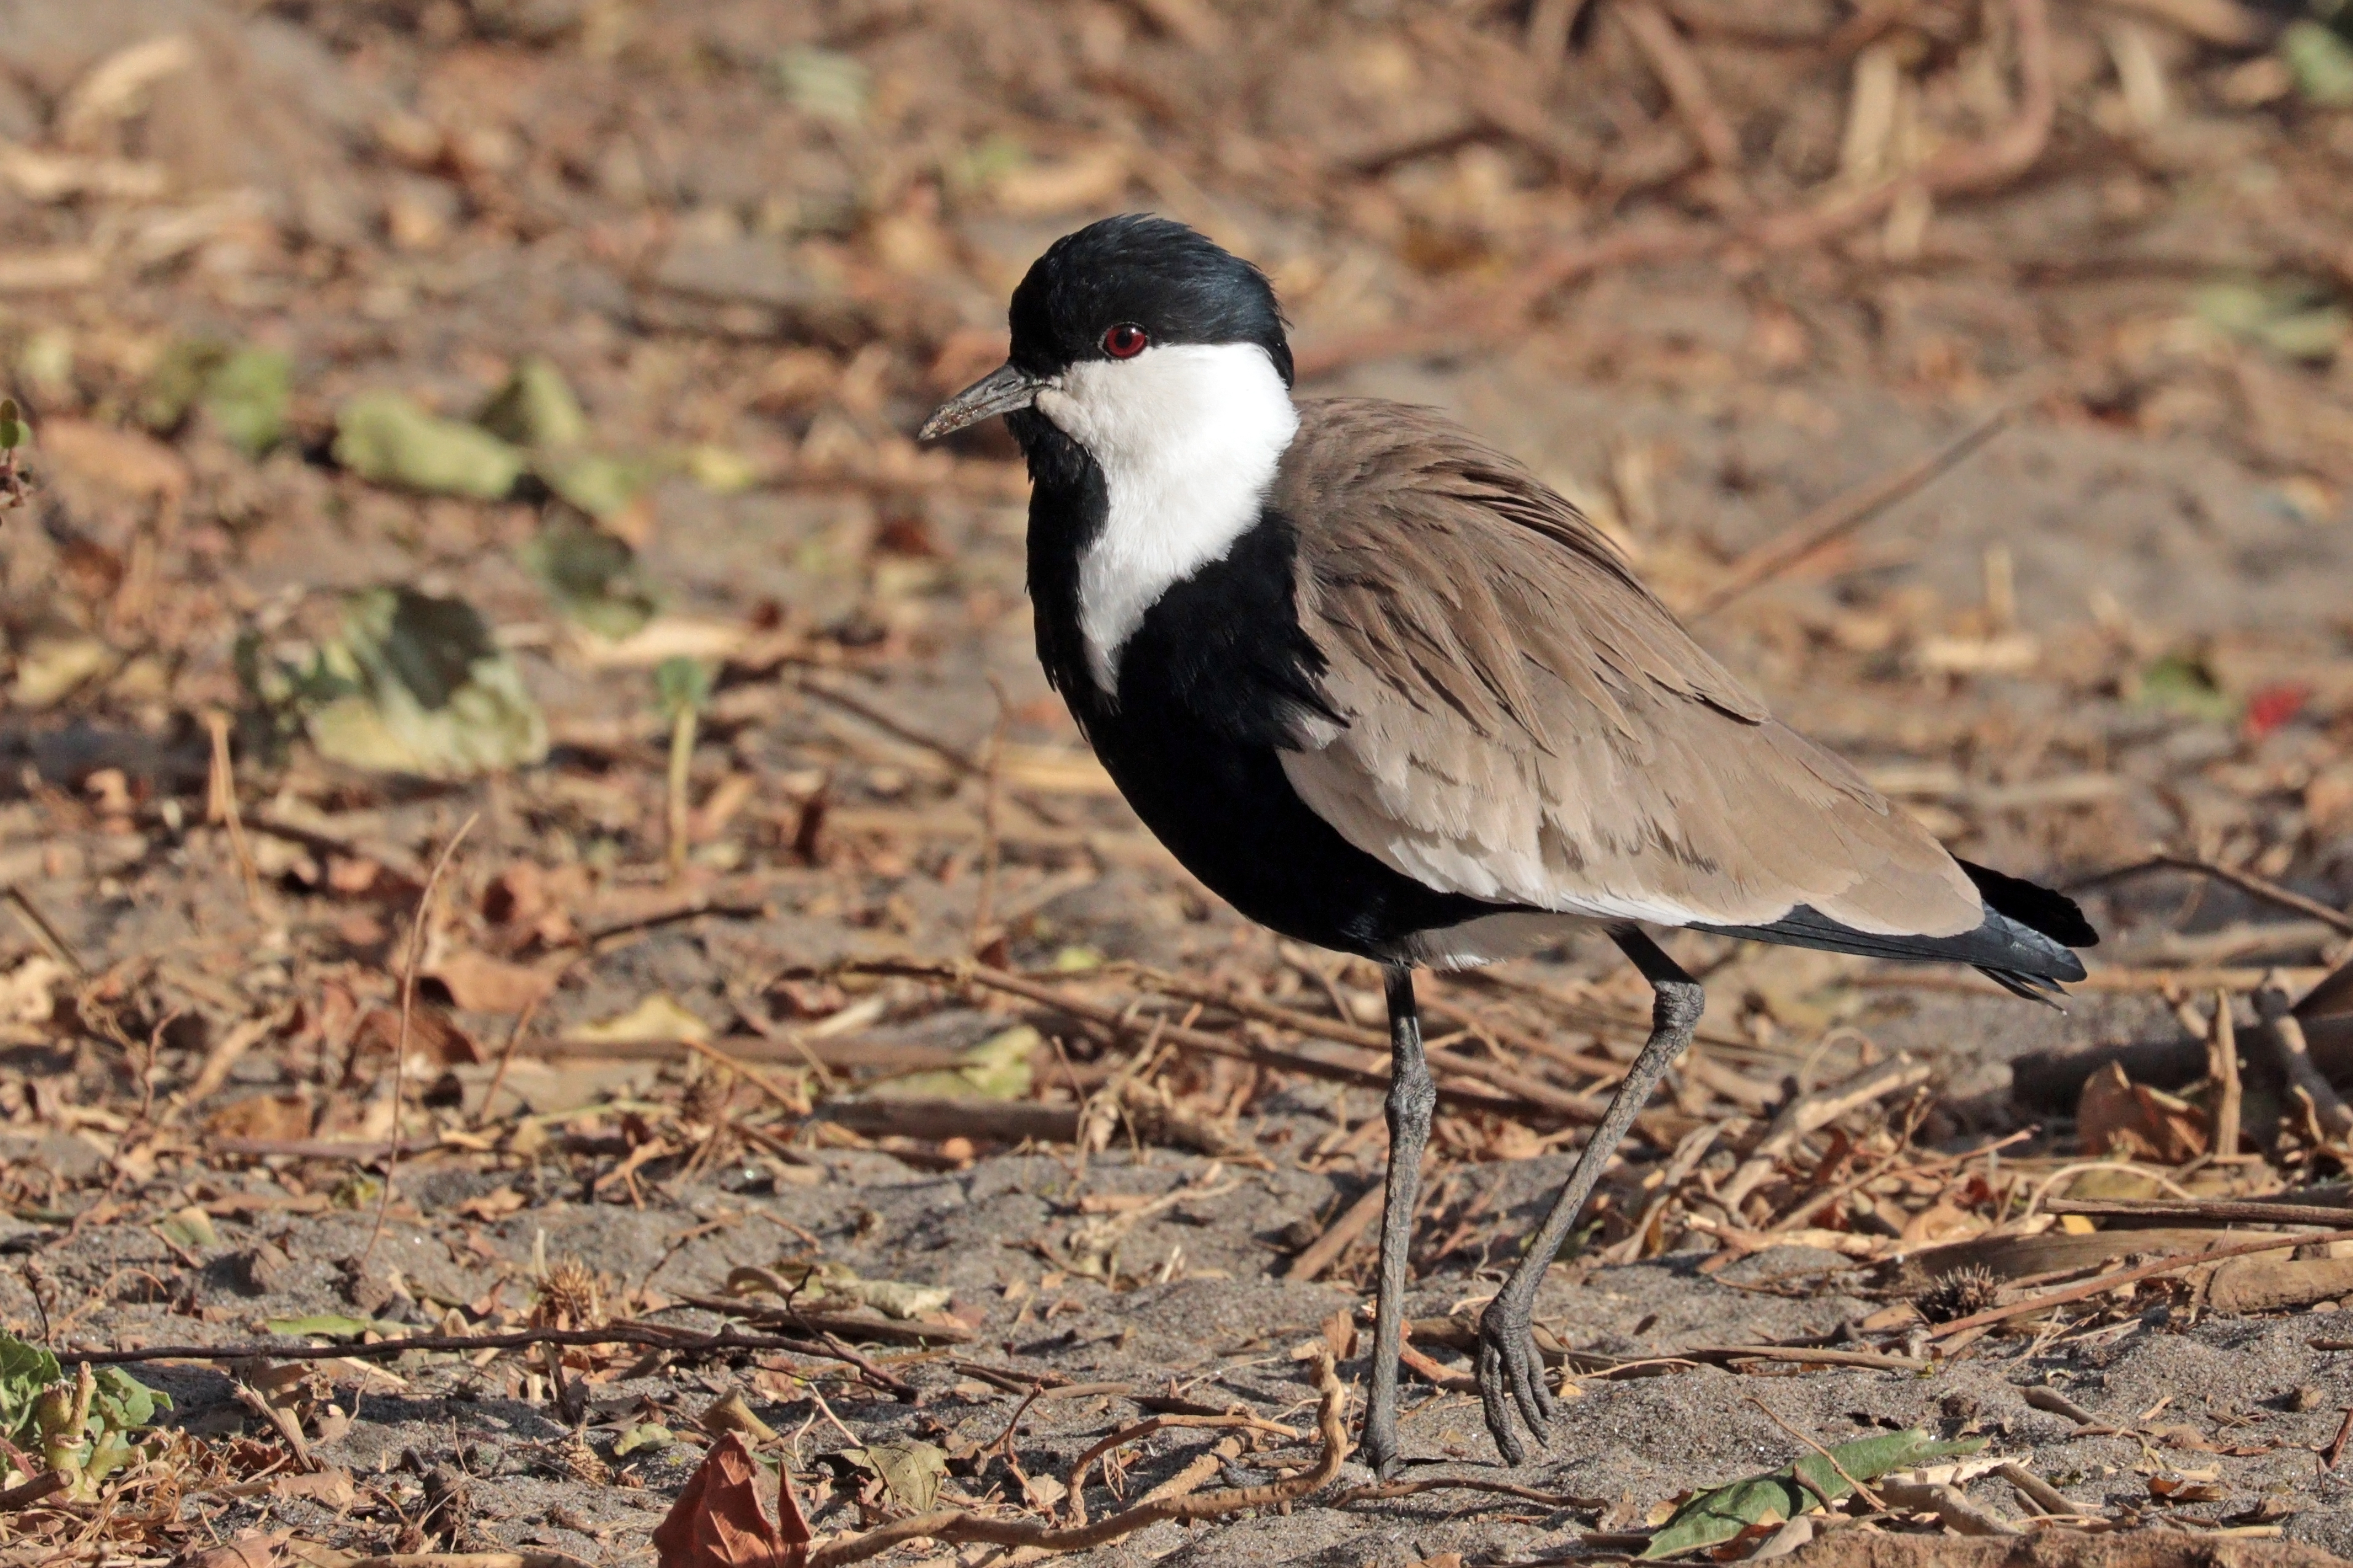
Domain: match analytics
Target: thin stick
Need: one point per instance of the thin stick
(1860, 1490)
(1842, 515)
(2247, 882)
(1382, 1490)
(796, 1103)
(1685, 83)
(2101, 1284)
(2223, 1065)
(43, 932)
(400, 1039)
(2294, 1055)
(220, 805)
(1126, 1435)
(954, 1526)
(653, 1335)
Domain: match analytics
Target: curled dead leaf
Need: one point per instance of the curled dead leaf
(721, 1520)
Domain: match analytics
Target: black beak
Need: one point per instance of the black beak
(1001, 391)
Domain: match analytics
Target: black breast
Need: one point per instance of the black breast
(1212, 683)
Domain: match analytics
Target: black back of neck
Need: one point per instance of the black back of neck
(1068, 508)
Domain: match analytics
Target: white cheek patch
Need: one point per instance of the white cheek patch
(1188, 437)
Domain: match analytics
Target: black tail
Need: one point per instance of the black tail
(2021, 947)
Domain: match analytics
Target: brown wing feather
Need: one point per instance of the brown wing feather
(1526, 722)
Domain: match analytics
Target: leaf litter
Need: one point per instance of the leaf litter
(809, 986)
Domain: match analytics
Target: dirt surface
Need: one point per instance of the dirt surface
(657, 1038)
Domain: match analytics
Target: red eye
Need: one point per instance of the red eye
(1125, 340)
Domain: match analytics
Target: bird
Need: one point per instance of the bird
(1380, 689)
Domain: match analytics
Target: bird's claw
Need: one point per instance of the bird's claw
(1511, 1373)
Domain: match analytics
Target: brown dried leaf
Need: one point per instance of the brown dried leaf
(432, 1033)
(480, 983)
(2117, 1116)
(263, 1116)
(719, 1519)
(329, 1488)
(251, 1549)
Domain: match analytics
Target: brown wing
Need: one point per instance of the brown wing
(1527, 723)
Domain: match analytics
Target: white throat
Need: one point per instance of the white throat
(1188, 437)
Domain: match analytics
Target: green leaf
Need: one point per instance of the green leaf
(246, 395)
(415, 685)
(178, 381)
(997, 1068)
(12, 425)
(1715, 1517)
(25, 1370)
(125, 1403)
(2182, 683)
(910, 1470)
(536, 408)
(386, 439)
(645, 1435)
(825, 83)
(681, 686)
(599, 484)
(2321, 62)
(191, 1227)
(592, 576)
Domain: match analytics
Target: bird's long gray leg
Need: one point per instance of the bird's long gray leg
(1510, 1371)
(1411, 1097)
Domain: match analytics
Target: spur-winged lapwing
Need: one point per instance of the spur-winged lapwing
(1384, 692)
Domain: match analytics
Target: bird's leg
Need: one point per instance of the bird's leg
(1510, 1371)
(1413, 1096)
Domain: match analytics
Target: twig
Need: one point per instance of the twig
(24, 1494)
(2221, 1211)
(1948, 1504)
(220, 805)
(1325, 1250)
(470, 1559)
(42, 932)
(2037, 1491)
(1685, 83)
(2102, 1284)
(679, 1341)
(1812, 1112)
(1379, 1491)
(1860, 1490)
(1126, 1435)
(2247, 882)
(2285, 1034)
(1528, 1094)
(407, 1012)
(954, 1526)
(2222, 1066)
(1842, 515)
(797, 1104)
(2336, 1444)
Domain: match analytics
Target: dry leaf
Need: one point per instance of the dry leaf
(251, 1549)
(480, 983)
(263, 1116)
(2117, 1116)
(729, 1412)
(329, 1488)
(658, 1017)
(721, 1522)
(432, 1033)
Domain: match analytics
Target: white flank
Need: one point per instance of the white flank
(1188, 437)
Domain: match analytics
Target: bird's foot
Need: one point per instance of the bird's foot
(1511, 1374)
